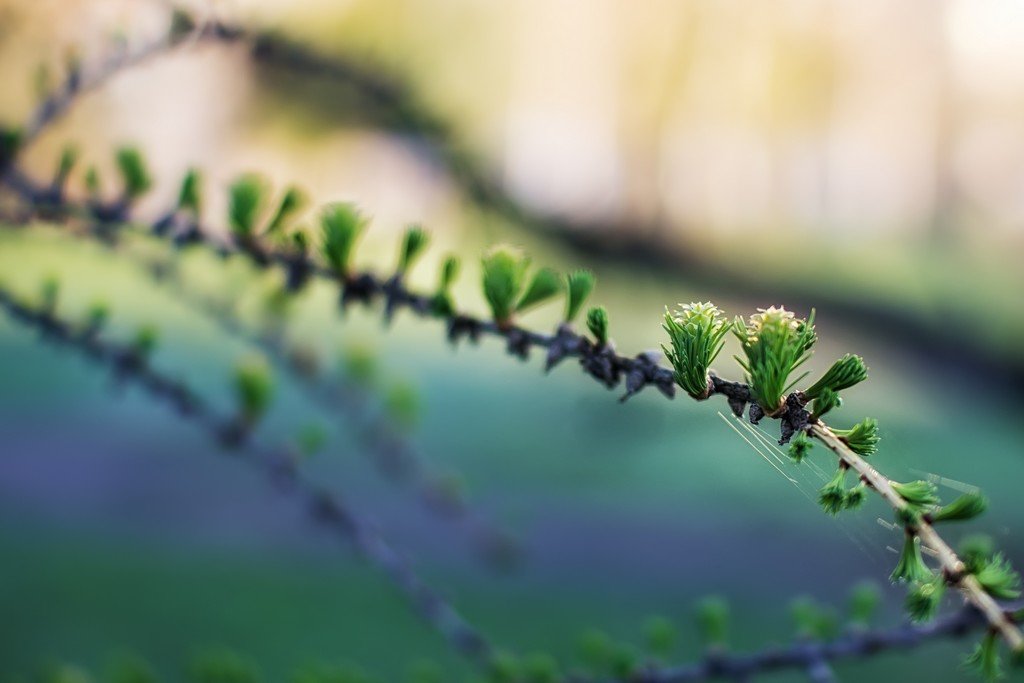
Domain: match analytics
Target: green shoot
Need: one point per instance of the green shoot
(189, 197)
(441, 304)
(832, 495)
(546, 283)
(246, 198)
(919, 494)
(49, 293)
(578, 286)
(661, 636)
(844, 373)
(827, 400)
(924, 599)
(504, 273)
(292, 202)
(967, 506)
(855, 497)
(341, 225)
(862, 438)
(713, 622)
(911, 567)
(697, 333)
(999, 579)
(97, 316)
(134, 175)
(775, 343)
(864, 600)
(414, 243)
(985, 658)
(597, 323)
(254, 388)
(975, 550)
(800, 446)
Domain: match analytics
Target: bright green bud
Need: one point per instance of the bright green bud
(292, 202)
(800, 446)
(924, 599)
(713, 622)
(864, 600)
(545, 285)
(844, 373)
(597, 323)
(813, 621)
(827, 400)
(245, 203)
(855, 497)
(862, 438)
(414, 243)
(832, 495)
(911, 567)
(661, 636)
(919, 493)
(504, 275)
(775, 343)
(967, 506)
(189, 196)
(578, 285)
(975, 551)
(442, 303)
(341, 226)
(697, 333)
(999, 579)
(984, 660)
(134, 175)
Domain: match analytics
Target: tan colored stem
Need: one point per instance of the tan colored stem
(952, 566)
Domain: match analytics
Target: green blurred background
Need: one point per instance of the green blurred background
(864, 159)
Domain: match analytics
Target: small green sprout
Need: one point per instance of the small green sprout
(813, 620)
(254, 388)
(540, 667)
(911, 567)
(844, 373)
(967, 506)
(775, 343)
(975, 550)
(66, 164)
(625, 661)
(595, 650)
(832, 496)
(864, 600)
(246, 197)
(924, 599)
(441, 303)
(862, 438)
(826, 401)
(985, 658)
(918, 494)
(341, 225)
(800, 446)
(292, 202)
(597, 323)
(190, 194)
(855, 497)
(414, 243)
(578, 286)
(661, 636)
(713, 622)
(697, 334)
(999, 579)
(505, 285)
(134, 174)
(145, 341)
